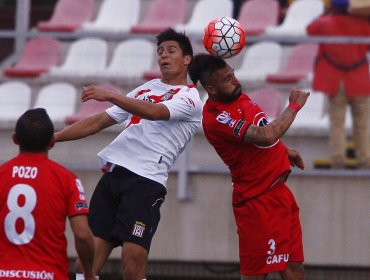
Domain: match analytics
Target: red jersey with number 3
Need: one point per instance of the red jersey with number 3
(36, 197)
(253, 168)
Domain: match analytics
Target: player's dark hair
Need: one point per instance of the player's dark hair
(171, 35)
(34, 130)
(203, 66)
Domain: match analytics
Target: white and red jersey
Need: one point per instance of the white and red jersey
(253, 168)
(36, 197)
(149, 148)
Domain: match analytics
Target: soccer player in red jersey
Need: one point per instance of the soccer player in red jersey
(266, 213)
(36, 197)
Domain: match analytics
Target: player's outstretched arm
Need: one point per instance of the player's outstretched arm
(85, 127)
(84, 244)
(269, 134)
(141, 108)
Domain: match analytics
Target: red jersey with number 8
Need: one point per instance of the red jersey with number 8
(36, 197)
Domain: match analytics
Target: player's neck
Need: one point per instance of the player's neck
(174, 79)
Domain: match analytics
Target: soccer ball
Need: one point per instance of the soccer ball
(224, 37)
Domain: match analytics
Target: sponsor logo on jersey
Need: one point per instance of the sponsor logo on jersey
(225, 118)
(238, 127)
(188, 101)
(81, 205)
(262, 122)
(138, 229)
(27, 274)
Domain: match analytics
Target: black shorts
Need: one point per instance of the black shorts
(125, 208)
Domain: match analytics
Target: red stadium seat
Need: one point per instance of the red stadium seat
(69, 15)
(38, 56)
(270, 101)
(161, 15)
(299, 64)
(91, 107)
(153, 74)
(257, 15)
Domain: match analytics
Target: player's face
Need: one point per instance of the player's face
(225, 86)
(171, 60)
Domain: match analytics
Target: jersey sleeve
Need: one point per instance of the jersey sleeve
(232, 124)
(185, 105)
(227, 127)
(77, 203)
(117, 113)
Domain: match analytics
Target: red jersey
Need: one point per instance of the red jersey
(253, 168)
(36, 197)
(338, 63)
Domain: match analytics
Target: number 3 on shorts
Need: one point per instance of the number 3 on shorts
(20, 212)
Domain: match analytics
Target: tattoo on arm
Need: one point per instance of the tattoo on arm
(270, 133)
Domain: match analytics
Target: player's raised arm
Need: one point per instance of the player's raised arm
(85, 127)
(141, 108)
(269, 134)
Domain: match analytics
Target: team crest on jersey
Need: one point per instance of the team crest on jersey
(138, 229)
(169, 94)
(225, 118)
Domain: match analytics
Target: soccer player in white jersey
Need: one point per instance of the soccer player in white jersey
(163, 115)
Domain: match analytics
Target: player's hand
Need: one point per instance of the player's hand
(295, 159)
(96, 93)
(298, 96)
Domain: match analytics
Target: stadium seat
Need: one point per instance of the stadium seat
(91, 107)
(59, 100)
(131, 58)
(159, 18)
(313, 117)
(260, 59)
(69, 15)
(39, 56)
(15, 99)
(299, 14)
(270, 100)
(203, 12)
(257, 15)
(299, 65)
(115, 16)
(85, 57)
(154, 73)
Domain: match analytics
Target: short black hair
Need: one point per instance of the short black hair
(203, 66)
(171, 35)
(34, 130)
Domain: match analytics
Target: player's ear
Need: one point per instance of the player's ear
(15, 139)
(51, 143)
(210, 90)
(187, 59)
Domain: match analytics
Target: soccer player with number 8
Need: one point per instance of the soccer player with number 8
(36, 197)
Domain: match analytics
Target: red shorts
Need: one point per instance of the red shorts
(269, 232)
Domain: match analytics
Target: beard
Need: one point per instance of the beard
(228, 98)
